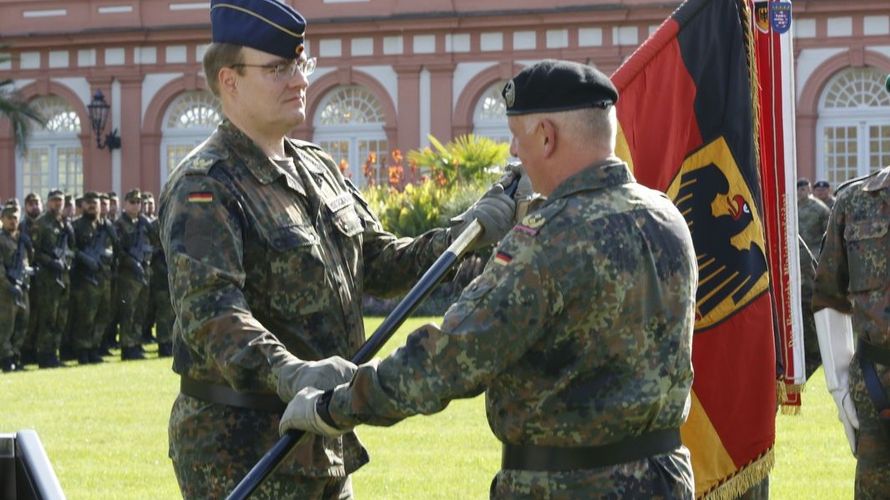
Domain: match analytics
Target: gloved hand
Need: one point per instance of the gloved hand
(294, 374)
(56, 265)
(524, 192)
(302, 414)
(495, 211)
(835, 333)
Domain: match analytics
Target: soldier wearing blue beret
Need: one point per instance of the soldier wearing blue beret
(269, 251)
(579, 329)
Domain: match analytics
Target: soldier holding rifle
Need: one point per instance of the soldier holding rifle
(53, 238)
(13, 289)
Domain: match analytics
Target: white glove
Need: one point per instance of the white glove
(294, 374)
(302, 415)
(835, 333)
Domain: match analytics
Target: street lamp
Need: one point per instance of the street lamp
(98, 119)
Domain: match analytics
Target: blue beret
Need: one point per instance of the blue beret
(265, 25)
(551, 85)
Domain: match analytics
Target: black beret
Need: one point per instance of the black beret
(822, 184)
(552, 85)
(91, 195)
(55, 193)
(803, 181)
(267, 25)
(112, 195)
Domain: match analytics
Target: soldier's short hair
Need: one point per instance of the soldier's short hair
(219, 56)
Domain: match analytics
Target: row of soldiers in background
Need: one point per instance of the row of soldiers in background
(78, 277)
(814, 202)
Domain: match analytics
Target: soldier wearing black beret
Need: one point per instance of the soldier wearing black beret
(579, 328)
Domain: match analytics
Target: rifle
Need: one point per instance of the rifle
(95, 255)
(138, 251)
(63, 254)
(18, 272)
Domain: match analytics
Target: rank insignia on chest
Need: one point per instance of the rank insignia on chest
(200, 197)
(531, 224)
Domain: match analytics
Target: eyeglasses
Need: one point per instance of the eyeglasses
(283, 71)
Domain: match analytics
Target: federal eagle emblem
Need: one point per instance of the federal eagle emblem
(727, 232)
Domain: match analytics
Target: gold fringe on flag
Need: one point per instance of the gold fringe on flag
(743, 480)
(791, 410)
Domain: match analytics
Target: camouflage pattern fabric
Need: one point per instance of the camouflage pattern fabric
(52, 286)
(580, 331)
(11, 315)
(133, 277)
(853, 276)
(812, 355)
(812, 220)
(159, 289)
(90, 288)
(27, 328)
(262, 257)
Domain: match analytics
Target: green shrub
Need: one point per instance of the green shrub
(465, 160)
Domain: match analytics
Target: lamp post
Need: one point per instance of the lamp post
(98, 119)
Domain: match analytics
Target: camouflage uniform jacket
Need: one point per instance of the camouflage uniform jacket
(47, 238)
(8, 246)
(580, 326)
(133, 245)
(158, 261)
(853, 274)
(261, 259)
(812, 220)
(86, 233)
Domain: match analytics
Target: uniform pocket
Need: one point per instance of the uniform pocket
(347, 222)
(297, 271)
(868, 244)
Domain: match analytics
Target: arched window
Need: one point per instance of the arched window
(189, 119)
(349, 126)
(854, 125)
(490, 115)
(54, 158)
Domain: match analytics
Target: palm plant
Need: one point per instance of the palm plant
(18, 111)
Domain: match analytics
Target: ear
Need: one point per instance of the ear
(228, 81)
(548, 133)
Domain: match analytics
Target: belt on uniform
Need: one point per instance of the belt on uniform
(869, 355)
(224, 395)
(557, 458)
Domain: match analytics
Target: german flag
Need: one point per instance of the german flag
(688, 119)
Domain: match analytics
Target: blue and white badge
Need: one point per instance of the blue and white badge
(780, 16)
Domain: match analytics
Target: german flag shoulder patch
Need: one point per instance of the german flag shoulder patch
(200, 197)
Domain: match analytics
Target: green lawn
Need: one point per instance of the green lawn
(105, 430)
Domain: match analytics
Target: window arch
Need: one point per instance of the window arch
(853, 130)
(54, 158)
(349, 125)
(189, 119)
(490, 114)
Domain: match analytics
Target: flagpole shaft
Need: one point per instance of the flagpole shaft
(381, 335)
